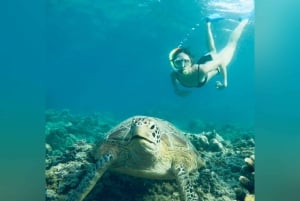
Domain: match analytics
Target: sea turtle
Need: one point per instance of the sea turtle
(145, 147)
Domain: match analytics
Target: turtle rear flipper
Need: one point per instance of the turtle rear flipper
(185, 185)
(90, 180)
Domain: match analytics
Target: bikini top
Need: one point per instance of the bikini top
(203, 60)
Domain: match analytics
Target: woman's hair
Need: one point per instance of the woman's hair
(176, 51)
(173, 54)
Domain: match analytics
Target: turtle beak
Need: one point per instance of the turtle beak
(141, 137)
(140, 133)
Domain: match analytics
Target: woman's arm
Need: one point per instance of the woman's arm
(223, 71)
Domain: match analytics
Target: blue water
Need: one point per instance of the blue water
(112, 57)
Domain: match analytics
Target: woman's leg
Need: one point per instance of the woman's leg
(222, 59)
(210, 39)
(227, 53)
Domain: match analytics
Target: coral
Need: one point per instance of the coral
(250, 197)
(225, 163)
(226, 150)
(63, 129)
(208, 141)
(246, 193)
(66, 174)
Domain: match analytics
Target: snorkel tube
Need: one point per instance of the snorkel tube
(171, 58)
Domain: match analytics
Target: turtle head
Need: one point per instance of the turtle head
(145, 131)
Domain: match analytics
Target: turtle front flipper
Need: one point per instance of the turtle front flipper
(185, 185)
(90, 180)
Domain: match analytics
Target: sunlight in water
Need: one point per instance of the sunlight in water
(231, 6)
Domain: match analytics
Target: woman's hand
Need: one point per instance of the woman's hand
(220, 85)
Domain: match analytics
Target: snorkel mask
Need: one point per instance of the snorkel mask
(171, 57)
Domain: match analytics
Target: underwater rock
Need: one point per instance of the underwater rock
(63, 129)
(249, 197)
(246, 193)
(51, 195)
(208, 141)
(66, 174)
(216, 145)
(247, 179)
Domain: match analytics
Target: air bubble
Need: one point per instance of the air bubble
(187, 36)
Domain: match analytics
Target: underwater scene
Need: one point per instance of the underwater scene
(116, 128)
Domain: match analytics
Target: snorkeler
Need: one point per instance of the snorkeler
(190, 74)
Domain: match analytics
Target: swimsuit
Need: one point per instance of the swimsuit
(199, 84)
(203, 60)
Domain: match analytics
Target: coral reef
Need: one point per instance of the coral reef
(227, 176)
(246, 193)
(66, 171)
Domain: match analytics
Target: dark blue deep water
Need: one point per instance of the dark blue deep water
(112, 57)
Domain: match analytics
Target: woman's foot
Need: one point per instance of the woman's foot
(214, 17)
